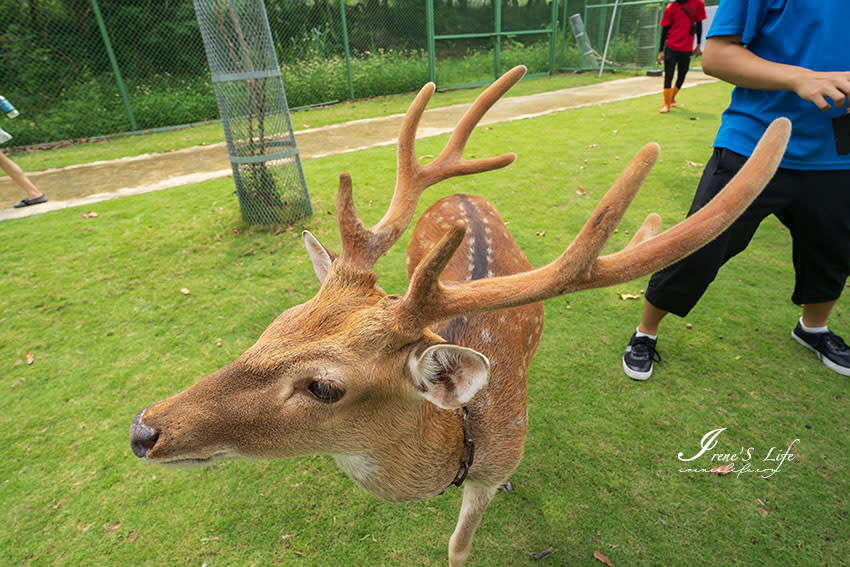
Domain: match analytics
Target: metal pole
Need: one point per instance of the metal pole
(347, 48)
(122, 88)
(432, 57)
(553, 42)
(608, 40)
(497, 48)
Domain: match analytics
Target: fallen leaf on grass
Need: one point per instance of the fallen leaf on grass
(88, 215)
(624, 296)
(580, 190)
(30, 358)
(185, 291)
(695, 164)
(113, 528)
(603, 558)
(723, 469)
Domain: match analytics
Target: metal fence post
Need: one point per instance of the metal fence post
(497, 28)
(553, 41)
(347, 48)
(122, 88)
(432, 57)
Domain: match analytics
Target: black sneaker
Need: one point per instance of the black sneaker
(639, 356)
(829, 347)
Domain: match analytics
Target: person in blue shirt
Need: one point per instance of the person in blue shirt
(785, 59)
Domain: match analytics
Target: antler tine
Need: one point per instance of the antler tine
(703, 226)
(450, 162)
(578, 267)
(606, 216)
(363, 247)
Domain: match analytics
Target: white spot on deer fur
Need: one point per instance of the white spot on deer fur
(529, 340)
(502, 319)
(485, 335)
(359, 467)
(439, 219)
(407, 261)
(519, 422)
(470, 267)
(487, 230)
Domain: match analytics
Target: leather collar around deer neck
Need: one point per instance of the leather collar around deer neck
(467, 454)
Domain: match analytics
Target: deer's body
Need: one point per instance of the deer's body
(382, 382)
(508, 338)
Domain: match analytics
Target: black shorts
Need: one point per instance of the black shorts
(813, 205)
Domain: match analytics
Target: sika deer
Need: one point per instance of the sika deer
(413, 394)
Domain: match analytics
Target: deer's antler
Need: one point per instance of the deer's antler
(362, 247)
(429, 300)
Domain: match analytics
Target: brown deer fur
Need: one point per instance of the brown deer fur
(379, 381)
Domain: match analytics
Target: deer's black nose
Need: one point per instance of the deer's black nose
(142, 437)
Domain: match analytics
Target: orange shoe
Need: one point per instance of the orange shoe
(668, 99)
(673, 98)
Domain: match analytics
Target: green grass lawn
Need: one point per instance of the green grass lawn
(97, 302)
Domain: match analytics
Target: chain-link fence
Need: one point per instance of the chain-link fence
(634, 32)
(83, 68)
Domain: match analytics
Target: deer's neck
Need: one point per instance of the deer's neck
(418, 457)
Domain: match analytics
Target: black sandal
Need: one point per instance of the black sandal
(28, 202)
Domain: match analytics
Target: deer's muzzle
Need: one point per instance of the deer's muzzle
(142, 437)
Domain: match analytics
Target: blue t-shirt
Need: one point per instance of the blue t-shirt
(795, 32)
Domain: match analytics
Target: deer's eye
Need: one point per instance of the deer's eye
(325, 391)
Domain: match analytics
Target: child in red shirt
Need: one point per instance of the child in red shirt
(682, 20)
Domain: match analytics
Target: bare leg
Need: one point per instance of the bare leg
(17, 175)
(651, 318)
(816, 314)
(476, 497)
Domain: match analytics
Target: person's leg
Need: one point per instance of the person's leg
(651, 319)
(34, 196)
(669, 69)
(677, 288)
(817, 314)
(17, 175)
(820, 228)
(683, 63)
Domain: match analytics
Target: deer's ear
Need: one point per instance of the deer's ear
(448, 375)
(319, 255)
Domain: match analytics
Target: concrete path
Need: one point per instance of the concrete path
(92, 182)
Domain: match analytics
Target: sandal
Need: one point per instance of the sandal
(28, 202)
